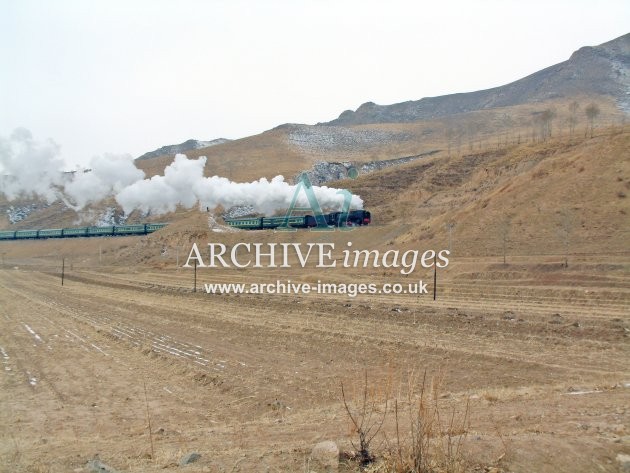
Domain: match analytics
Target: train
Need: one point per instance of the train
(334, 219)
(113, 230)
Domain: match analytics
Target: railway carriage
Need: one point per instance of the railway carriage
(75, 232)
(7, 235)
(141, 229)
(129, 230)
(50, 233)
(100, 231)
(25, 234)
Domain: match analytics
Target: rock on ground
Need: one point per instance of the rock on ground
(190, 458)
(97, 466)
(325, 457)
(624, 462)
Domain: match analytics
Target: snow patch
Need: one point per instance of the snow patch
(111, 216)
(17, 214)
(239, 211)
(5, 359)
(325, 139)
(32, 380)
(32, 332)
(577, 393)
(217, 227)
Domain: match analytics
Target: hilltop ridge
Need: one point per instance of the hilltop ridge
(172, 150)
(591, 70)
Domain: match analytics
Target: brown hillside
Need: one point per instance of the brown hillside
(289, 149)
(541, 196)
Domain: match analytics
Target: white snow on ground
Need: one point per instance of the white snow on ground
(99, 349)
(217, 227)
(239, 211)
(5, 359)
(324, 139)
(17, 214)
(111, 216)
(163, 344)
(85, 342)
(32, 380)
(32, 332)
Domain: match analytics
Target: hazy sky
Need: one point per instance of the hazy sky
(126, 76)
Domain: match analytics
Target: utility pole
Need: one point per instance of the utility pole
(63, 269)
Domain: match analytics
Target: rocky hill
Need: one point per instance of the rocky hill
(172, 150)
(599, 70)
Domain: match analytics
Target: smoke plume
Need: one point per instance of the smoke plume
(109, 175)
(29, 168)
(33, 169)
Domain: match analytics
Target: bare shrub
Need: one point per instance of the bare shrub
(366, 424)
(425, 436)
(429, 437)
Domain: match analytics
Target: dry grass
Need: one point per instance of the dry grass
(419, 433)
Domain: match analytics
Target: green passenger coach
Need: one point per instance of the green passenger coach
(76, 232)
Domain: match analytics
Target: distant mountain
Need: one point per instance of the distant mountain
(171, 150)
(602, 70)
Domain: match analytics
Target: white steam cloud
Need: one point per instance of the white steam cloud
(109, 175)
(183, 184)
(30, 169)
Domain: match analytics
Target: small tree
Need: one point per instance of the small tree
(573, 108)
(543, 121)
(546, 121)
(592, 111)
